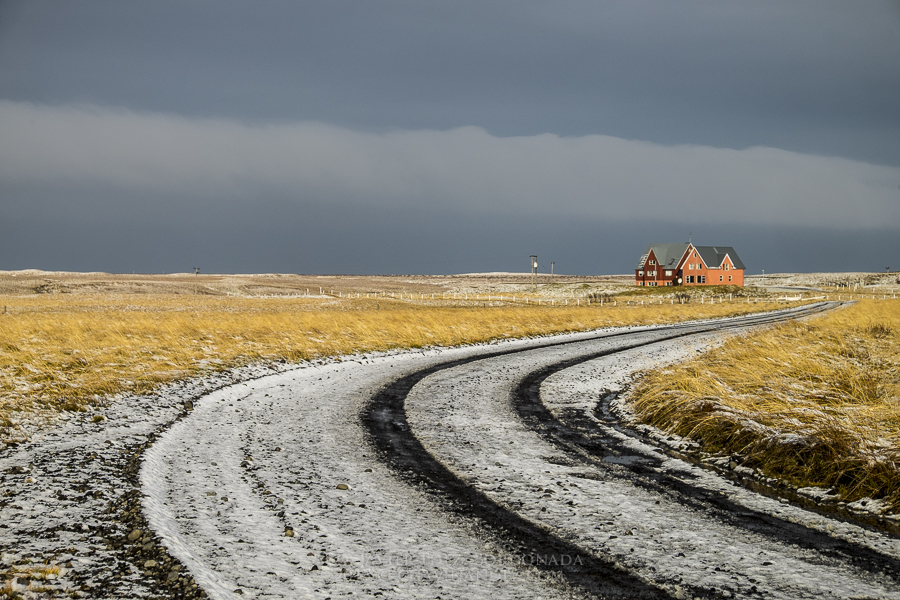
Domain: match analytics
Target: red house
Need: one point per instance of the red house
(686, 264)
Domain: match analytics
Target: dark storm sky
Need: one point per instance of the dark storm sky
(425, 137)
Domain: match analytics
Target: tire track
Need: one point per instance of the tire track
(579, 435)
(386, 421)
(391, 434)
(350, 477)
(400, 447)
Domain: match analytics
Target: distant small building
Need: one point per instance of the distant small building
(686, 264)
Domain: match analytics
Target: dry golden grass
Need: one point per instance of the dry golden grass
(66, 352)
(814, 402)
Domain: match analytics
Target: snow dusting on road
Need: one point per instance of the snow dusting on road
(490, 471)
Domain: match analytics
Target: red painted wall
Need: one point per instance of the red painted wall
(641, 276)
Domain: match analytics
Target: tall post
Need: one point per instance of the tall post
(533, 270)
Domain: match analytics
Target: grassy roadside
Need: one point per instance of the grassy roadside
(815, 403)
(68, 352)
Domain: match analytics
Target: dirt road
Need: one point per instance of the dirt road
(493, 471)
(479, 473)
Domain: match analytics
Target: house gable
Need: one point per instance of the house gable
(714, 256)
(668, 256)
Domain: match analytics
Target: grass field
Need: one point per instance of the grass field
(816, 402)
(71, 351)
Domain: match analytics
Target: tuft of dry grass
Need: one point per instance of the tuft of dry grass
(816, 402)
(68, 352)
(23, 581)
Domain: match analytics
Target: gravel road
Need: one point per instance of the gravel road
(492, 471)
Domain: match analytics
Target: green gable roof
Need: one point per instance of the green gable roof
(667, 255)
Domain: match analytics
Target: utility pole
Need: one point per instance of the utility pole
(551, 268)
(533, 270)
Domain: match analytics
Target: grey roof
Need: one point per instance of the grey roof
(714, 255)
(669, 255)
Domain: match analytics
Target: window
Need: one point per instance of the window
(640, 273)
(729, 278)
(727, 267)
(701, 278)
(668, 273)
(720, 278)
(690, 279)
(652, 262)
(691, 267)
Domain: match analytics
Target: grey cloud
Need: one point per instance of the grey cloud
(466, 169)
(814, 76)
(282, 235)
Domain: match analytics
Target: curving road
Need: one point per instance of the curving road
(483, 472)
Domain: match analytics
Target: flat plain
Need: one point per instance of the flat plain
(71, 341)
(109, 376)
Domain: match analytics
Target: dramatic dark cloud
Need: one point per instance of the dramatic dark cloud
(221, 164)
(423, 137)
